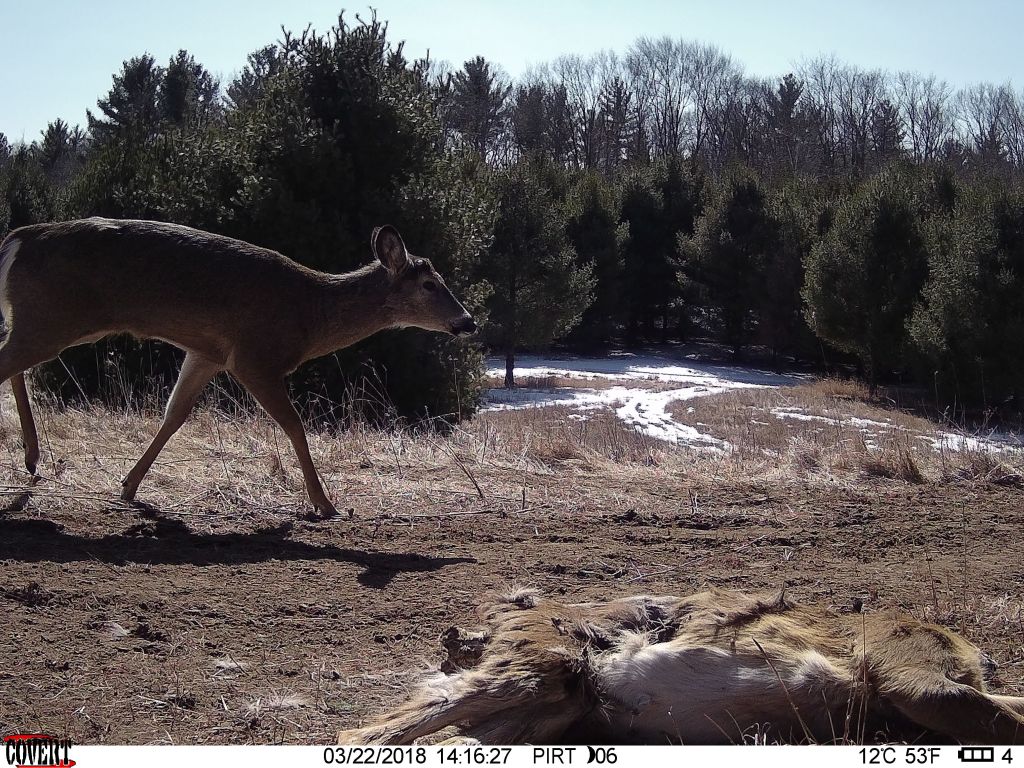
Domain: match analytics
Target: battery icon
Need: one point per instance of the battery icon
(976, 755)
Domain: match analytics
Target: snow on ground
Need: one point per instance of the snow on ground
(938, 440)
(799, 415)
(645, 409)
(626, 365)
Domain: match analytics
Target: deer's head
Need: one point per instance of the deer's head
(418, 295)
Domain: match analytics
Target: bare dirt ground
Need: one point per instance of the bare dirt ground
(212, 613)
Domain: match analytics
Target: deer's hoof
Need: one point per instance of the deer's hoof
(128, 491)
(322, 510)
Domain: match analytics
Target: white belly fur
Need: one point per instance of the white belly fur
(693, 693)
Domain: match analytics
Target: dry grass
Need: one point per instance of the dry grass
(894, 462)
(544, 438)
(244, 463)
(831, 430)
(986, 467)
(825, 390)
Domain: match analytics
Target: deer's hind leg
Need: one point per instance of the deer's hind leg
(28, 425)
(493, 707)
(442, 701)
(18, 355)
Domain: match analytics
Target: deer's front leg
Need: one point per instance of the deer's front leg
(272, 394)
(195, 374)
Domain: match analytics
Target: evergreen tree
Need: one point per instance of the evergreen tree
(130, 112)
(616, 126)
(863, 277)
(886, 132)
(796, 213)
(528, 119)
(788, 137)
(188, 94)
(649, 276)
(658, 203)
(540, 289)
(261, 68)
(27, 191)
(479, 98)
(594, 231)
(681, 201)
(970, 317)
(736, 244)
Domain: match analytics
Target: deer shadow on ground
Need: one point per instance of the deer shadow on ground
(166, 540)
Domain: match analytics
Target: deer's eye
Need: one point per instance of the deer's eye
(429, 285)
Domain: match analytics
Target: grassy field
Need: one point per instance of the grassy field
(212, 612)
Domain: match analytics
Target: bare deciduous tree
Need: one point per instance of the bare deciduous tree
(924, 103)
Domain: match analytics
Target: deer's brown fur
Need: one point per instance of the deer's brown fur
(230, 305)
(714, 667)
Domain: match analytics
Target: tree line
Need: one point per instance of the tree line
(837, 215)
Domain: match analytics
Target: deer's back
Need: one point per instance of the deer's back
(167, 281)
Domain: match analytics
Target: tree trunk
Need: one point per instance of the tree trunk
(510, 366)
(872, 375)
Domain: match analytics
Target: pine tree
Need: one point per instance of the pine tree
(969, 320)
(131, 110)
(479, 99)
(188, 94)
(730, 255)
(540, 290)
(528, 118)
(648, 272)
(863, 277)
(251, 83)
(781, 323)
(594, 230)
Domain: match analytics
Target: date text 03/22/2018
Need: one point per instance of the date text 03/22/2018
(457, 755)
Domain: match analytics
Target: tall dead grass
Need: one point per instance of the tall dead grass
(832, 429)
(240, 460)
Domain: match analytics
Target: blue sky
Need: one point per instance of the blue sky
(58, 56)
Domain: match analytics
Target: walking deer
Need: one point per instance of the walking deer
(229, 305)
(714, 667)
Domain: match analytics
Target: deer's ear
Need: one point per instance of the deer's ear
(389, 249)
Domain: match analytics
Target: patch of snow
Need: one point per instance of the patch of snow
(952, 441)
(626, 365)
(939, 441)
(647, 410)
(855, 421)
(644, 409)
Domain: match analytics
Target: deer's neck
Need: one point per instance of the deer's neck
(351, 307)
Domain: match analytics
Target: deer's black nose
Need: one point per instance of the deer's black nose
(464, 326)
